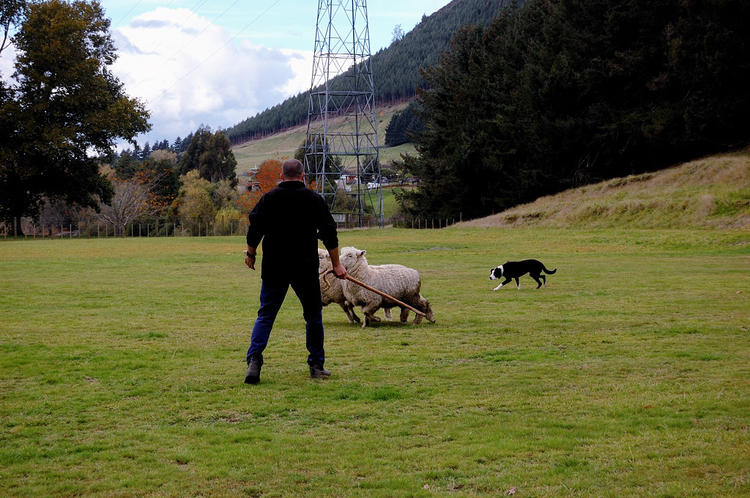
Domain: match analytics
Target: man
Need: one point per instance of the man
(290, 219)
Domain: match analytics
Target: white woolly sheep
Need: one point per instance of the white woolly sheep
(332, 289)
(399, 281)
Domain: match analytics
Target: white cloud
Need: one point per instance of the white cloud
(7, 62)
(189, 71)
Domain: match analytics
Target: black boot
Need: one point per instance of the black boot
(253, 370)
(318, 372)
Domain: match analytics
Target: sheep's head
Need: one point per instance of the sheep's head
(324, 259)
(353, 258)
(428, 311)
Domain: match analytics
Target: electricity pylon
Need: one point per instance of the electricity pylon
(341, 145)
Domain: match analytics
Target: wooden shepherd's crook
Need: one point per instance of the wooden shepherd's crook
(376, 291)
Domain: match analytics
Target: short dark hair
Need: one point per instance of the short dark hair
(292, 168)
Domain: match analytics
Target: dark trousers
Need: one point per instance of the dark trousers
(272, 294)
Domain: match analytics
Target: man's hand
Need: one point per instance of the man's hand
(250, 259)
(339, 271)
(338, 268)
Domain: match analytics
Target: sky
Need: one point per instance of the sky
(217, 62)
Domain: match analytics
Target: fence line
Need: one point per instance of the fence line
(165, 228)
(426, 222)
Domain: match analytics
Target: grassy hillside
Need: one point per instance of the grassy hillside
(121, 368)
(396, 69)
(709, 192)
(283, 144)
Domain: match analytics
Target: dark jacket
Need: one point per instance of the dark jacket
(290, 219)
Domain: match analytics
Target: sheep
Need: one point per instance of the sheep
(399, 281)
(331, 288)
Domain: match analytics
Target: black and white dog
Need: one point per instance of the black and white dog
(513, 270)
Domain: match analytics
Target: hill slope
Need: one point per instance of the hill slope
(283, 144)
(709, 192)
(395, 69)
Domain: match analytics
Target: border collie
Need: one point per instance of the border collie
(513, 270)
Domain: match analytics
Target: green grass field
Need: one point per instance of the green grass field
(122, 363)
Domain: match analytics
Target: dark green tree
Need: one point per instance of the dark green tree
(403, 126)
(126, 165)
(566, 92)
(210, 154)
(65, 103)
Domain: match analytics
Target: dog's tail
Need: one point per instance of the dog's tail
(548, 272)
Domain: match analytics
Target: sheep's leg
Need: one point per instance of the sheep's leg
(349, 310)
(404, 315)
(369, 312)
(388, 316)
(346, 311)
(369, 320)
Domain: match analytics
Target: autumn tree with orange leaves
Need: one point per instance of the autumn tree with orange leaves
(266, 179)
(268, 176)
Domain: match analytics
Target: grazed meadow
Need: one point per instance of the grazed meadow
(121, 366)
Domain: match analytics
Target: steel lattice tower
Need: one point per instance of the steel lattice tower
(341, 145)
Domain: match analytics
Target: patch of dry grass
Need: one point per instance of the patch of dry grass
(712, 192)
(284, 143)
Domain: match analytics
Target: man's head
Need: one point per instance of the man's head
(292, 169)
